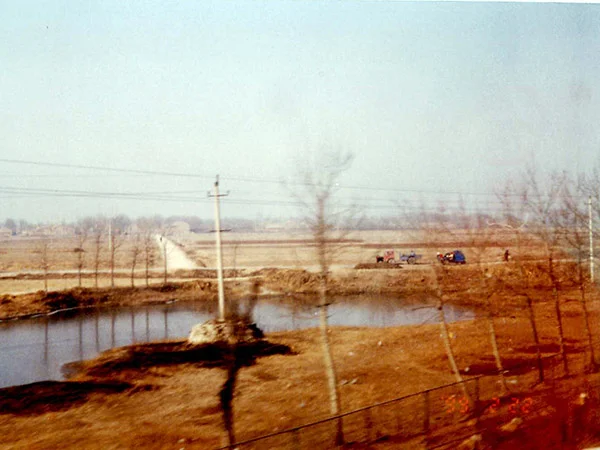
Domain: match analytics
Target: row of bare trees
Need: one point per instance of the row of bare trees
(551, 214)
(109, 242)
(548, 223)
(558, 212)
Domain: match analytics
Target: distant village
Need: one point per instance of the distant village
(121, 224)
(178, 225)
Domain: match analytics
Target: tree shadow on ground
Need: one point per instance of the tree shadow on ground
(109, 369)
(145, 356)
(50, 396)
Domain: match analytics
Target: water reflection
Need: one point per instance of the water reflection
(36, 349)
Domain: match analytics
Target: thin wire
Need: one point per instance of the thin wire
(259, 180)
(30, 193)
(236, 178)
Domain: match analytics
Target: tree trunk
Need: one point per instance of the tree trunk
(450, 352)
(133, 270)
(165, 259)
(494, 342)
(79, 266)
(45, 263)
(330, 372)
(112, 266)
(531, 315)
(536, 338)
(446, 339)
(45, 280)
(561, 339)
(555, 296)
(586, 317)
(334, 399)
(147, 273)
(96, 263)
(492, 334)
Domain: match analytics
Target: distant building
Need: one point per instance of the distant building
(133, 230)
(273, 227)
(50, 231)
(5, 232)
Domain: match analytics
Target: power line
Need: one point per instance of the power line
(279, 182)
(235, 178)
(166, 196)
(106, 169)
(21, 175)
(174, 195)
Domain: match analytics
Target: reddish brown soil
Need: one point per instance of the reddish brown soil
(171, 402)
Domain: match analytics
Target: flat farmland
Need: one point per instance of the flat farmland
(166, 402)
(26, 253)
(22, 258)
(297, 250)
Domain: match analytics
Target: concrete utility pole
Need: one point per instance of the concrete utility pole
(591, 239)
(219, 249)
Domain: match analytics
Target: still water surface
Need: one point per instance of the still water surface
(36, 349)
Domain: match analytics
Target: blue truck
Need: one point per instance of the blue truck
(393, 257)
(454, 257)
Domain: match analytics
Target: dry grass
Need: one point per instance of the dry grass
(19, 253)
(297, 250)
(175, 406)
(254, 250)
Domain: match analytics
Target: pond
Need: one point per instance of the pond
(36, 349)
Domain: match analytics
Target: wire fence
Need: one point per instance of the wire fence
(427, 417)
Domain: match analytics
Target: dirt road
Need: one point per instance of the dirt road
(176, 257)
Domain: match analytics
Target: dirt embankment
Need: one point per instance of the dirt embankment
(458, 284)
(27, 305)
(465, 285)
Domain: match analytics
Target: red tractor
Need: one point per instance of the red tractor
(393, 257)
(389, 256)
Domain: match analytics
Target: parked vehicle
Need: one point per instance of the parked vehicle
(454, 257)
(393, 257)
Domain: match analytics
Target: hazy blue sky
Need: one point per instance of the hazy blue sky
(428, 96)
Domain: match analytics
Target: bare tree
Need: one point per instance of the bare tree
(117, 229)
(98, 238)
(234, 260)
(164, 231)
(329, 222)
(480, 234)
(435, 227)
(440, 272)
(573, 225)
(542, 202)
(441, 226)
(43, 252)
(588, 185)
(165, 257)
(148, 245)
(11, 224)
(516, 218)
(136, 251)
(81, 235)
